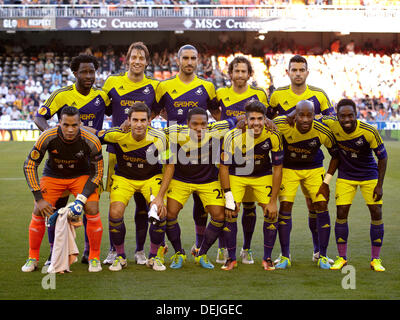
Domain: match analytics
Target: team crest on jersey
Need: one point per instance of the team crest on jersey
(42, 111)
(265, 145)
(146, 90)
(180, 112)
(35, 155)
(97, 101)
(312, 143)
(199, 92)
(359, 142)
(80, 154)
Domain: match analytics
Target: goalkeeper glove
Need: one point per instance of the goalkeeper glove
(76, 207)
(52, 220)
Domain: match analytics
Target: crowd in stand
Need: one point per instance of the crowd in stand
(367, 75)
(209, 2)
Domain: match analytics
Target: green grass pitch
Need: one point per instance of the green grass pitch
(248, 282)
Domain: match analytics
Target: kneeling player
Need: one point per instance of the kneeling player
(247, 166)
(194, 150)
(75, 164)
(357, 168)
(138, 169)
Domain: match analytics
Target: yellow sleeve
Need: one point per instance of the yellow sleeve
(329, 120)
(210, 88)
(276, 140)
(273, 100)
(159, 92)
(111, 135)
(262, 96)
(281, 123)
(108, 85)
(105, 97)
(374, 138)
(55, 102)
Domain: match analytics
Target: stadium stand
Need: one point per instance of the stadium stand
(365, 73)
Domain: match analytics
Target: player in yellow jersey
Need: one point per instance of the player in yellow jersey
(92, 104)
(232, 101)
(138, 169)
(283, 101)
(178, 95)
(357, 141)
(124, 90)
(303, 165)
(252, 161)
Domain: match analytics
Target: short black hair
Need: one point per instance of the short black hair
(186, 47)
(69, 111)
(139, 107)
(83, 58)
(240, 59)
(346, 102)
(298, 58)
(255, 106)
(196, 110)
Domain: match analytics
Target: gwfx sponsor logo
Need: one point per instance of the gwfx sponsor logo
(186, 104)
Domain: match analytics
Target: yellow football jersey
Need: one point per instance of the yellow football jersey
(124, 93)
(177, 98)
(232, 104)
(91, 107)
(241, 150)
(355, 150)
(303, 150)
(137, 160)
(283, 100)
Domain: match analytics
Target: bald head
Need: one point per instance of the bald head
(304, 105)
(304, 115)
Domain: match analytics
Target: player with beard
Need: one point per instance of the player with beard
(176, 97)
(232, 101)
(283, 101)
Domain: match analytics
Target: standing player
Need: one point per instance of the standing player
(124, 90)
(357, 167)
(176, 97)
(75, 164)
(303, 164)
(92, 104)
(283, 101)
(194, 152)
(247, 166)
(138, 169)
(232, 101)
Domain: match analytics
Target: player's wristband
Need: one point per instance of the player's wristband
(328, 178)
(37, 195)
(81, 198)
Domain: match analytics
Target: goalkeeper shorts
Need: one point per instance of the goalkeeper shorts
(53, 188)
